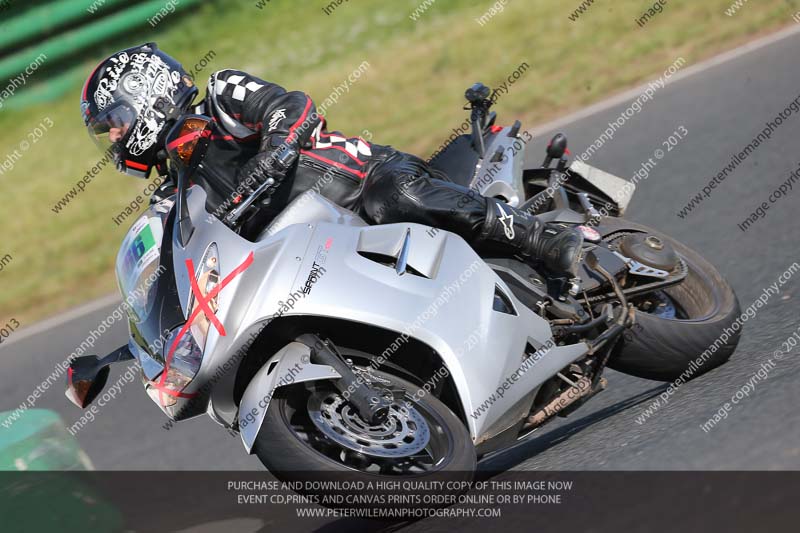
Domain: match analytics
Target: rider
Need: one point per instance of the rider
(268, 134)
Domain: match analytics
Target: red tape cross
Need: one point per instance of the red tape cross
(202, 306)
(202, 303)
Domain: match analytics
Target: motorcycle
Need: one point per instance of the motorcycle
(329, 344)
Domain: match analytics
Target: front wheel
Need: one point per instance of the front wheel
(315, 430)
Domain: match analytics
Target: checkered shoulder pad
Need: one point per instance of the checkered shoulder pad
(234, 84)
(237, 100)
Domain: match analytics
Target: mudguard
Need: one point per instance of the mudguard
(290, 365)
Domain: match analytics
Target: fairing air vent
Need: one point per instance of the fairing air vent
(391, 262)
(408, 249)
(502, 303)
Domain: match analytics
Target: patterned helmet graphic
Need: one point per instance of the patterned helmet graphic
(124, 101)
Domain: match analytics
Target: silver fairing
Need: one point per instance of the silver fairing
(442, 296)
(502, 179)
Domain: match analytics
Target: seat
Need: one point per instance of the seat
(457, 160)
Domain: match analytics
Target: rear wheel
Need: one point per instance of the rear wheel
(688, 329)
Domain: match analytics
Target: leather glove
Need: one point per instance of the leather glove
(274, 164)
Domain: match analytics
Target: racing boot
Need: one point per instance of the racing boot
(506, 228)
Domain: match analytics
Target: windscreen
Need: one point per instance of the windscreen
(138, 264)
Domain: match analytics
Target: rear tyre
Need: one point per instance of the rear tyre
(693, 342)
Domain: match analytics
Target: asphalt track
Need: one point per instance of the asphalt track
(722, 108)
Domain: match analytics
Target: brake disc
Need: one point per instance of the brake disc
(404, 432)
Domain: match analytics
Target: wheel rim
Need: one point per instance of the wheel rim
(331, 428)
(678, 302)
(662, 305)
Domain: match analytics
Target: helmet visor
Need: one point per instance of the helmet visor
(110, 129)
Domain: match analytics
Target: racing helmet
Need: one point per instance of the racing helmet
(129, 101)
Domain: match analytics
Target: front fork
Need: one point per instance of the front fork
(372, 405)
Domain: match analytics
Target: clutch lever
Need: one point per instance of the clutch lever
(284, 157)
(234, 215)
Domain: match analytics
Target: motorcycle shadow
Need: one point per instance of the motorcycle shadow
(509, 458)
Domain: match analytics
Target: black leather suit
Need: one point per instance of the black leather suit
(381, 184)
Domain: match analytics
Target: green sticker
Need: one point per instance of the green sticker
(146, 238)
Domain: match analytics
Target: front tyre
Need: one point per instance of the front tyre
(316, 430)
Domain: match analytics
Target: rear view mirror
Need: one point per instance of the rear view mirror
(86, 378)
(186, 136)
(557, 146)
